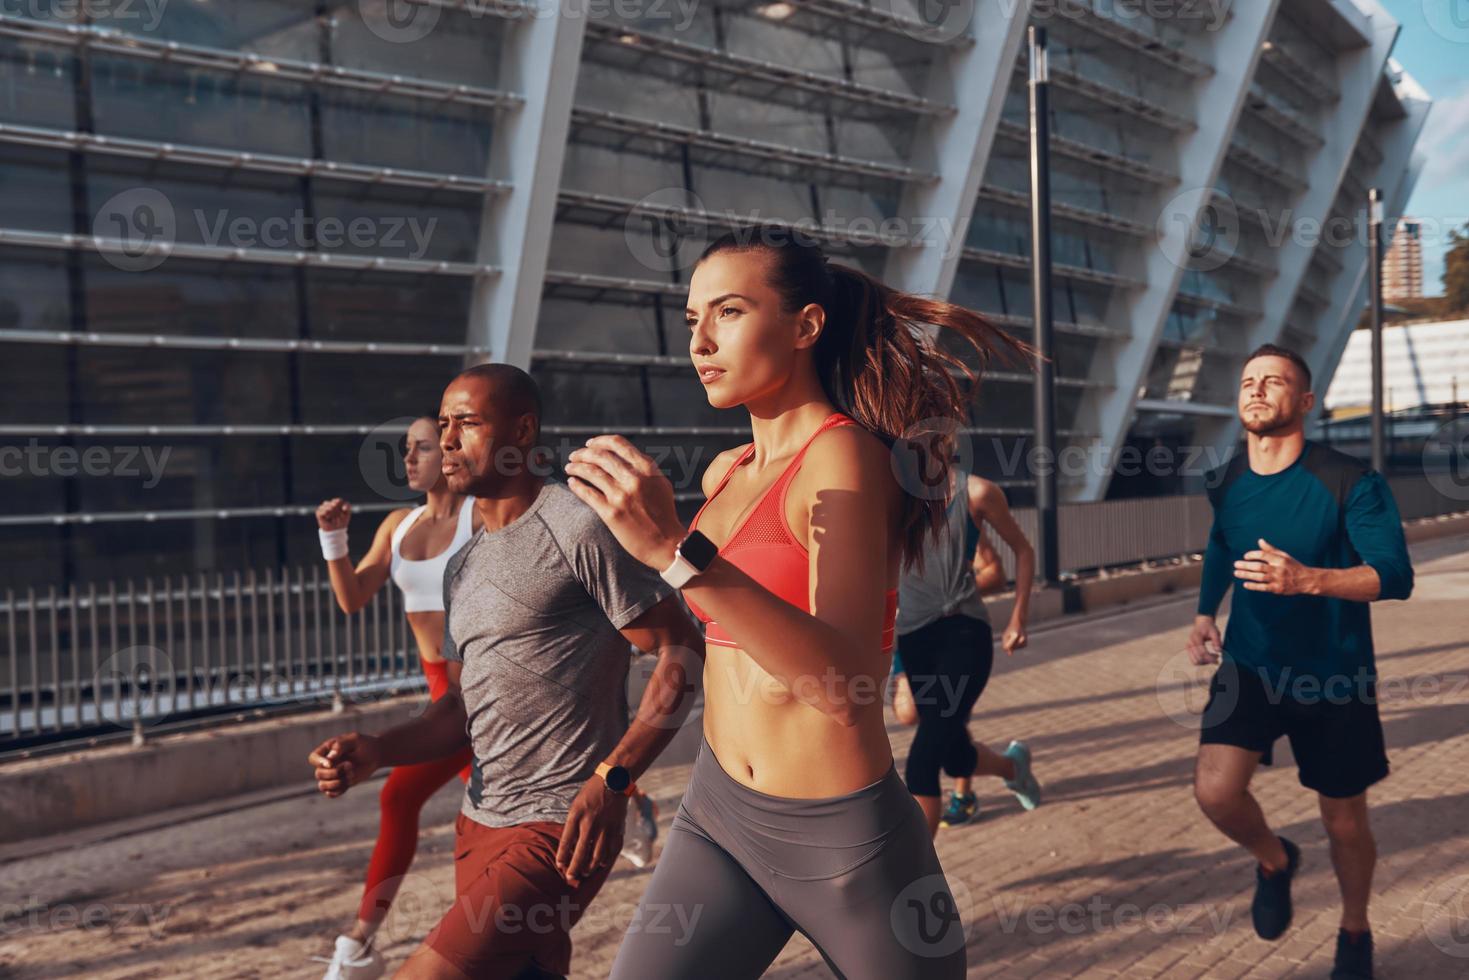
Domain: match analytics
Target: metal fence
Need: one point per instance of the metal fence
(126, 658)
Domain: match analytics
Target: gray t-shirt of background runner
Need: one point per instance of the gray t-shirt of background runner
(533, 610)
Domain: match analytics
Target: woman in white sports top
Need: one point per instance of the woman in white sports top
(413, 546)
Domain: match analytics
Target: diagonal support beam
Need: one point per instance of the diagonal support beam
(1360, 71)
(1216, 104)
(975, 78)
(541, 58)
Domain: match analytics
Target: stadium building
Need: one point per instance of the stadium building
(241, 244)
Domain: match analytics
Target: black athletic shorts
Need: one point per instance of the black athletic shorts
(1333, 727)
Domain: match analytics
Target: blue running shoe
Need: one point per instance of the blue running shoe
(1025, 786)
(961, 810)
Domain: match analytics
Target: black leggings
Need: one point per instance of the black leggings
(948, 663)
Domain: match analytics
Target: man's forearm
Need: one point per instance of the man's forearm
(439, 732)
(1214, 579)
(666, 703)
(1358, 584)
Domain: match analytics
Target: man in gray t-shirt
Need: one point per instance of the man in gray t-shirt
(533, 613)
(540, 608)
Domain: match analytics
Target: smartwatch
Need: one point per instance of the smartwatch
(617, 778)
(694, 554)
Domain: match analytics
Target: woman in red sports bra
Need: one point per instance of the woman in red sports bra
(795, 817)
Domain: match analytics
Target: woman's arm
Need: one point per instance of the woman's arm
(830, 658)
(989, 572)
(354, 587)
(987, 503)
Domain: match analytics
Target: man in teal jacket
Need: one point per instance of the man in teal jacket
(1310, 536)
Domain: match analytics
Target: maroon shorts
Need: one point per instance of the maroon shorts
(512, 909)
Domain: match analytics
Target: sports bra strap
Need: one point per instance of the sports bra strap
(794, 464)
(731, 471)
(401, 530)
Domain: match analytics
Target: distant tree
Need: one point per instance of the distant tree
(1456, 270)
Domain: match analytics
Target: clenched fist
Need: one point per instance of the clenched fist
(344, 761)
(333, 514)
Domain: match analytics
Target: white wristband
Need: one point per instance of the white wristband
(333, 543)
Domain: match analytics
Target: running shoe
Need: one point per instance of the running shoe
(961, 810)
(1271, 909)
(1025, 786)
(1353, 956)
(352, 961)
(642, 831)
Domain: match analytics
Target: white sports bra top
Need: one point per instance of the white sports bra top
(422, 580)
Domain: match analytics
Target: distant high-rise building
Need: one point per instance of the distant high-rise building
(1402, 269)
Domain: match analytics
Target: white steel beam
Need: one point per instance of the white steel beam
(541, 60)
(1216, 102)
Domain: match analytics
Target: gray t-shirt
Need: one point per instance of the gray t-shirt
(945, 587)
(533, 612)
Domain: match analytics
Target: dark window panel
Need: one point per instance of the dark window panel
(418, 309)
(611, 327)
(398, 222)
(579, 394)
(179, 387)
(393, 131)
(203, 107)
(36, 82)
(33, 557)
(35, 185)
(208, 299)
(34, 293)
(372, 389)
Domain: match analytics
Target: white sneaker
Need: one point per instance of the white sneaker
(637, 843)
(353, 961)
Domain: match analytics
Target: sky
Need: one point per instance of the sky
(1434, 48)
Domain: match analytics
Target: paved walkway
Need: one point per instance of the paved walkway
(1117, 875)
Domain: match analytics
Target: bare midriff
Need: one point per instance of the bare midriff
(767, 740)
(428, 633)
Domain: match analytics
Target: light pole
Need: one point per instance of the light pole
(1040, 274)
(1374, 277)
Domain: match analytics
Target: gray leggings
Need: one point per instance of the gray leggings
(856, 874)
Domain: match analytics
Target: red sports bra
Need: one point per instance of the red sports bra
(764, 548)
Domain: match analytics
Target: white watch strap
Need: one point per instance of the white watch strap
(679, 572)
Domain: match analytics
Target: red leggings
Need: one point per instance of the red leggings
(407, 789)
